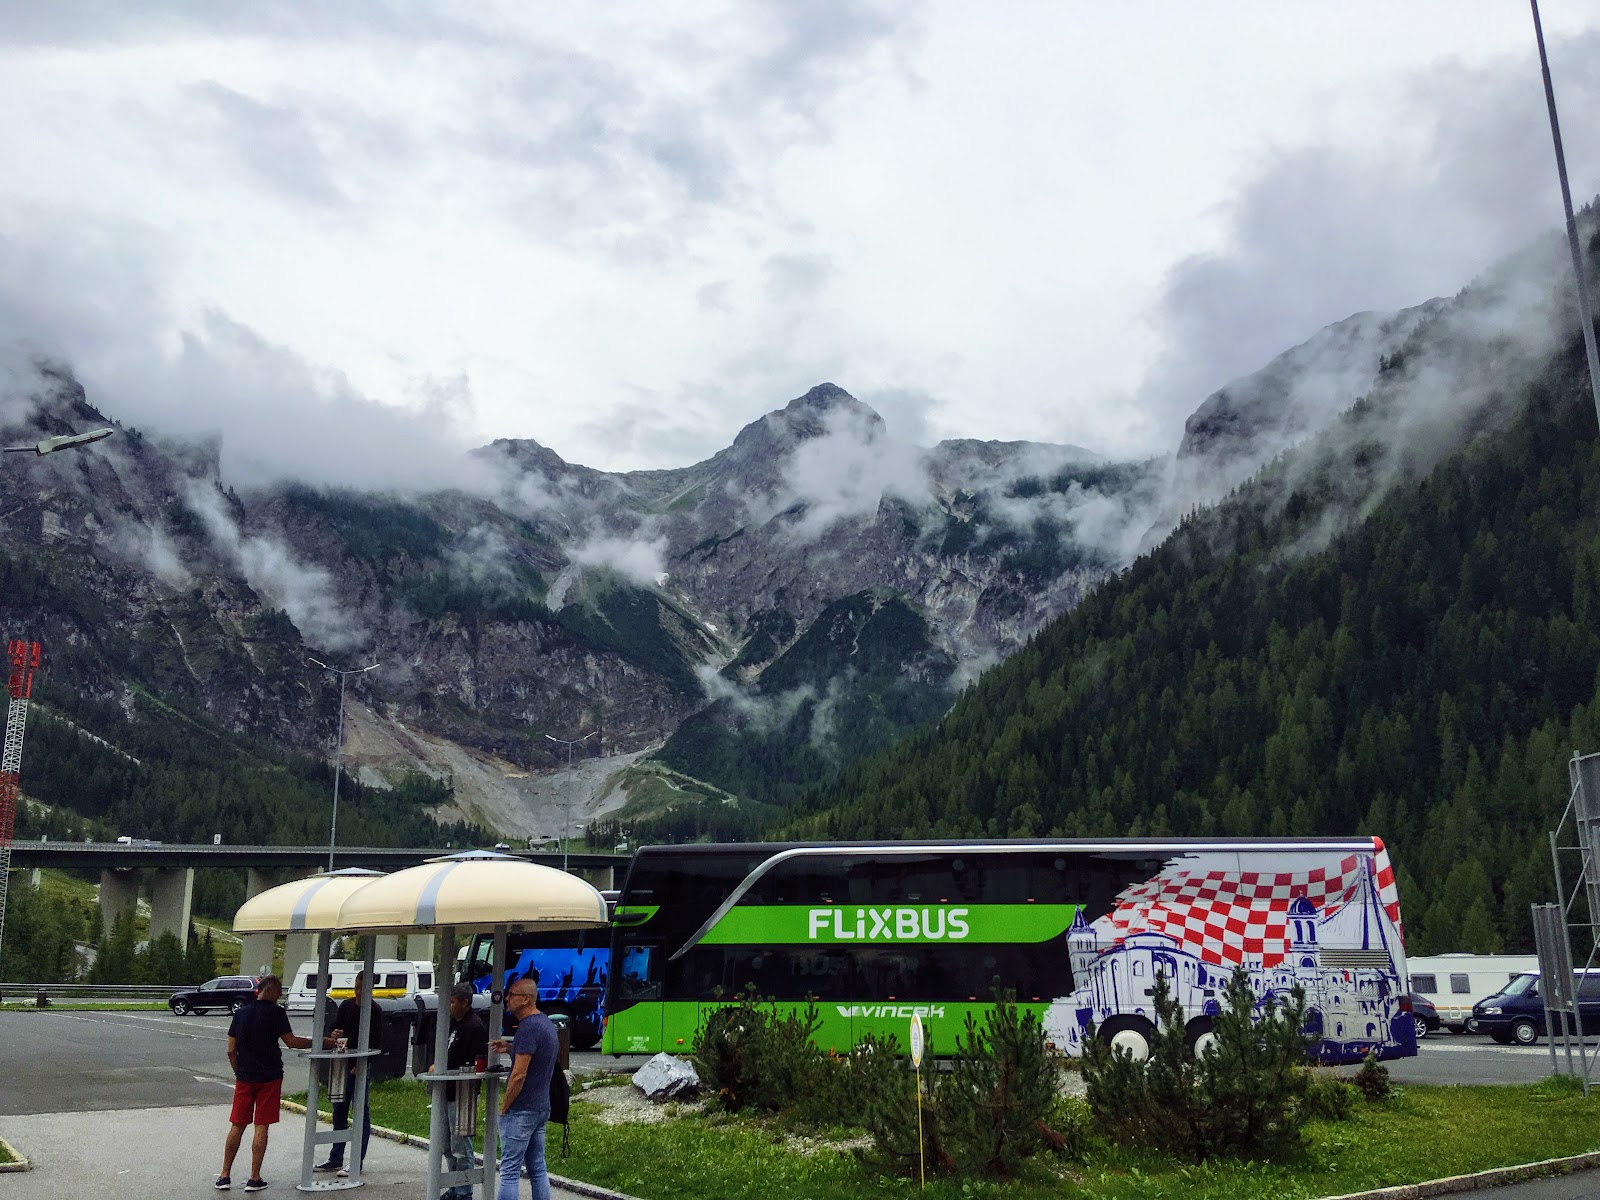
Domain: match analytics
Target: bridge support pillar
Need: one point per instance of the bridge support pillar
(119, 892)
(171, 896)
(297, 948)
(255, 954)
(419, 946)
(255, 949)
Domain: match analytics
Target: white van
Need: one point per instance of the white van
(1455, 982)
(393, 979)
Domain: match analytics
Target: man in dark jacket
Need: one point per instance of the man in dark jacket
(253, 1052)
(347, 1025)
(468, 1046)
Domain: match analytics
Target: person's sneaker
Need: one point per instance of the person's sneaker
(344, 1172)
(330, 1165)
(255, 1185)
(223, 1183)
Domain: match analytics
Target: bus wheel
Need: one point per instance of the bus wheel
(1132, 1035)
(584, 1036)
(1199, 1035)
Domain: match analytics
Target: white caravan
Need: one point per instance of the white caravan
(1455, 982)
(393, 979)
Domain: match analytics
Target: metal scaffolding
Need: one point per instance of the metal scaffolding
(24, 662)
(1554, 924)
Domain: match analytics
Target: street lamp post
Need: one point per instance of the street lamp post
(338, 750)
(566, 832)
(1580, 274)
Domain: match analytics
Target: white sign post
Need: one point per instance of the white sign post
(916, 1064)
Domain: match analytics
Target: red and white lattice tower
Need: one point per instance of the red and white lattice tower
(24, 662)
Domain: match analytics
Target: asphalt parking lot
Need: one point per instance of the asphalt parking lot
(55, 1061)
(134, 1106)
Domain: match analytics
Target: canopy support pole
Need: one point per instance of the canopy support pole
(319, 1015)
(438, 1123)
(491, 1086)
(358, 1102)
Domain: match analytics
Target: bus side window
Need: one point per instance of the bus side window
(639, 979)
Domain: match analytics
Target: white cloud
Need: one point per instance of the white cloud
(304, 591)
(356, 239)
(847, 471)
(759, 713)
(643, 561)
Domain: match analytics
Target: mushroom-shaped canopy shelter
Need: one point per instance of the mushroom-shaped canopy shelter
(475, 889)
(311, 904)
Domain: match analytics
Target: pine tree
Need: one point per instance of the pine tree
(117, 958)
(993, 1102)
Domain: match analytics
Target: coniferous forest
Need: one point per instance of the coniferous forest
(1422, 675)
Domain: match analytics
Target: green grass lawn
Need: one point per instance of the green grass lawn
(1422, 1133)
(85, 1006)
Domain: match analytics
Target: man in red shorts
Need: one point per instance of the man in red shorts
(257, 1062)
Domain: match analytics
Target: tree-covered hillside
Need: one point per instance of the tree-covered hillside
(1421, 675)
(863, 674)
(156, 771)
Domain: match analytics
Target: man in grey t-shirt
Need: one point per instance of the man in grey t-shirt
(525, 1105)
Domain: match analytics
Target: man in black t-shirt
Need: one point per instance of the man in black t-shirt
(253, 1052)
(347, 1024)
(468, 1045)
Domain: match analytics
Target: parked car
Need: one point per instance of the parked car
(1425, 1015)
(1516, 1012)
(231, 992)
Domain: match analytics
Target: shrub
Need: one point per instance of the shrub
(983, 1116)
(1244, 1095)
(1072, 1120)
(1000, 1087)
(1373, 1079)
(750, 1056)
(995, 1106)
(1331, 1098)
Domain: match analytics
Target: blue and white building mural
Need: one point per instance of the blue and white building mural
(1329, 926)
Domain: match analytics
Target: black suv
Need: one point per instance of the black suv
(231, 992)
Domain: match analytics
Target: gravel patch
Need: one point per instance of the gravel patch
(628, 1105)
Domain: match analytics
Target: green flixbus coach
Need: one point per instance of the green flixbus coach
(872, 933)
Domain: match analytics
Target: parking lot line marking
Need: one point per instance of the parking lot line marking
(90, 1018)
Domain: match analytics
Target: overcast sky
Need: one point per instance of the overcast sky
(353, 238)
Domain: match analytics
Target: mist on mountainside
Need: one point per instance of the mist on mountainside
(766, 617)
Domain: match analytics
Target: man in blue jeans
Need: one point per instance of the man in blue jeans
(525, 1104)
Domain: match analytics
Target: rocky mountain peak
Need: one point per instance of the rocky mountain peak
(826, 399)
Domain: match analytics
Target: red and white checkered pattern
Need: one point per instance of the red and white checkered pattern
(1232, 918)
(1388, 891)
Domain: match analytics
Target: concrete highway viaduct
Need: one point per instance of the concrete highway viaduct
(167, 873)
